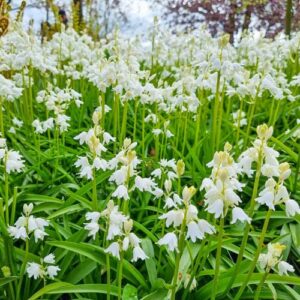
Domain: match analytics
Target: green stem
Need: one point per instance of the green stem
(247, 228)
(143, 131)
(94, 199)
(184, 133)
(215, 113)
(218, 259)
(250, 118)
(179, 254)
(239, 123)
(6, 187)
(195, 268)
(1, 117)
(14, 204)
(19, 297)
(220, 116)
(257, 253)
(124, 122)
(135, 117)
(260, 285)
(274, 119)
(120, 270)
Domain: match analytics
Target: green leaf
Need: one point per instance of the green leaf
(64, 288)
(98, 255)
(205, 292)
(129, 293)
(150, 262)
(6, 280)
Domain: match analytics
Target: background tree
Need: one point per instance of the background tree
(234, 16)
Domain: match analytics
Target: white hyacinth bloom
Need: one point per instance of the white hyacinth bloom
(170, 240)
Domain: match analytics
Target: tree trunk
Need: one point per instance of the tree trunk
(247, 17)
(288, 17)
(229, 27)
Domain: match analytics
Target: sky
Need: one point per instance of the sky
(140, 14)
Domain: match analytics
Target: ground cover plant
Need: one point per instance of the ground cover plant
(165, 168)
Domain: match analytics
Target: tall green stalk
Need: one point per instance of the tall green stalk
(179, 254)
(120, 275)
(215, 113)
(22, 271)
(247, 228)
(260, 285)
(218, 259)
(257, 253)
(1, 117)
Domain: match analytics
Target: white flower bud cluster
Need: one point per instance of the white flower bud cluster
(220, 188)
(273, 258)
(27, 224)
(118, 230)
(56, 100)
(12, 160)
(187, 213)
(96, 139)
(46, 268)
(8, 89)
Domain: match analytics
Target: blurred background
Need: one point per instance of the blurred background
(136, 16)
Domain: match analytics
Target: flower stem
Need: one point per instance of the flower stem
(6, 191)
(95, 202)
(120, 270)
(195, 268)
(23, 269)
(260, 285)
(1, 117)
(218, 259)
(247, 228)
(215, 113)
(255, 259)
(179, 254)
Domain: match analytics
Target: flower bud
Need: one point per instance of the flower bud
(224, 40)
(93, 143)
(131, 156)
(180, 167)
(110, 205)
(6, 271)
(126, 143)
(284, 170)
(97, 116)
(264, 132)
(227, 147)
(27, 209)
(188, 193)
(128, 226)
(223, 174)
(168, 185)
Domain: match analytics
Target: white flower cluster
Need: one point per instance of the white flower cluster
(119, 229)
(184, 214)
(96, 139)
(125, 163)
(168, 171)
(239, 118)
(220, 188)
(27, 224)
(273, 258)
(16, 124)
(260, 150)
(276, 193)
(43, 270)
(56, 100)
(165, 131)
(12, 160)
(8, 89)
